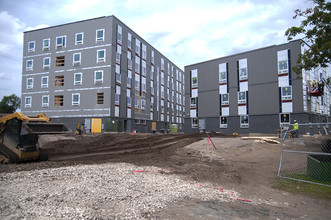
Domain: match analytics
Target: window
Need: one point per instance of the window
(243, 74)
(44, 82)
(128, 101)
(136, 121)
(223, 122)
(79, 38)
(46, 44)
(28, 101)
(100, 98)
(194, 81)
(60, 41)
(31, 46)
(143, 104)
(225, 99)
(76, 59)
(152, 72)
(223, 77)
(136, 103)
(143, 122)
(98, 77)
(59, 80)
(128, 82)
(241, 97)
(194, 102)
(101, 55)
(77, 79)
(46, 62)
(152, 57)
(195, 123)
(119, 34)
(59, 61)
(29, 65)
(152, 103)
(244, 121)
(137, 65)
(129, 41)
(143, 84)
(287, 93)
(75, 99)
(117, 74)
(117, 99)
(58, 100)
(45, 101)
(100, 35)
(144, 52)
(130, 64)
(118, 58)
(284, 119)
(282, 66)
(29, 83)
(138, 47)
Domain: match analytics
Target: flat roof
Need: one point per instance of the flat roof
(262, 48)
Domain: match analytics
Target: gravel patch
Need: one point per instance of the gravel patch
(106, 191)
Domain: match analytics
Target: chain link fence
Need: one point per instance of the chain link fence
(306, 153)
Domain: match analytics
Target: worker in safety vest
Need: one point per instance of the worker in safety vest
(314, 85)
(296, 128)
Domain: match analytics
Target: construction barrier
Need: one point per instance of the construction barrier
(306, 153)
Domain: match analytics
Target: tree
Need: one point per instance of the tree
(9, 104)
(316, 28)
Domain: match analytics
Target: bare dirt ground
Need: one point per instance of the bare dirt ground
(234, 181)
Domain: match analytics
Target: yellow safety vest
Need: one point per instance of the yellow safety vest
(296, 126)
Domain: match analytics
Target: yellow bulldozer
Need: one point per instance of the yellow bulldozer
(19, 137)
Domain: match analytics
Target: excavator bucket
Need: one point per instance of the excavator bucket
(44, 128)
(19, 137)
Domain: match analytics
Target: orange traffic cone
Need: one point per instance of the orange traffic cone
(133, 132)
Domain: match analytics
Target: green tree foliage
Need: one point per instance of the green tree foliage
(9, 104)
(316, 29)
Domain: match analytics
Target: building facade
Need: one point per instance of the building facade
(252, 92)
(101, 73)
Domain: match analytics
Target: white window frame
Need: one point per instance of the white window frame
(98, 39)
(45, 104)
(63, 42)
(286, 97)
(75, 102)
(97, 81)
(128, 101)
(28, 105)
(194, 85)
(30, 47)
(242, 101)
(29, 67)
(28, 85)
(119, 34)
(195, 125)
(222, 125)
(117, 99)
(136, 103)
(243, 76)
(79, 42)
(101, 59)
(222, 79)
(244, 125)
(76, 62)
(118, 58)
(76, 83)
(46, 66)
(130, 41)
(225, 102)
(143, 104)
(49, 43)
(44, 85)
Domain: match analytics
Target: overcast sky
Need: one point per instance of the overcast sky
(185, 31)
